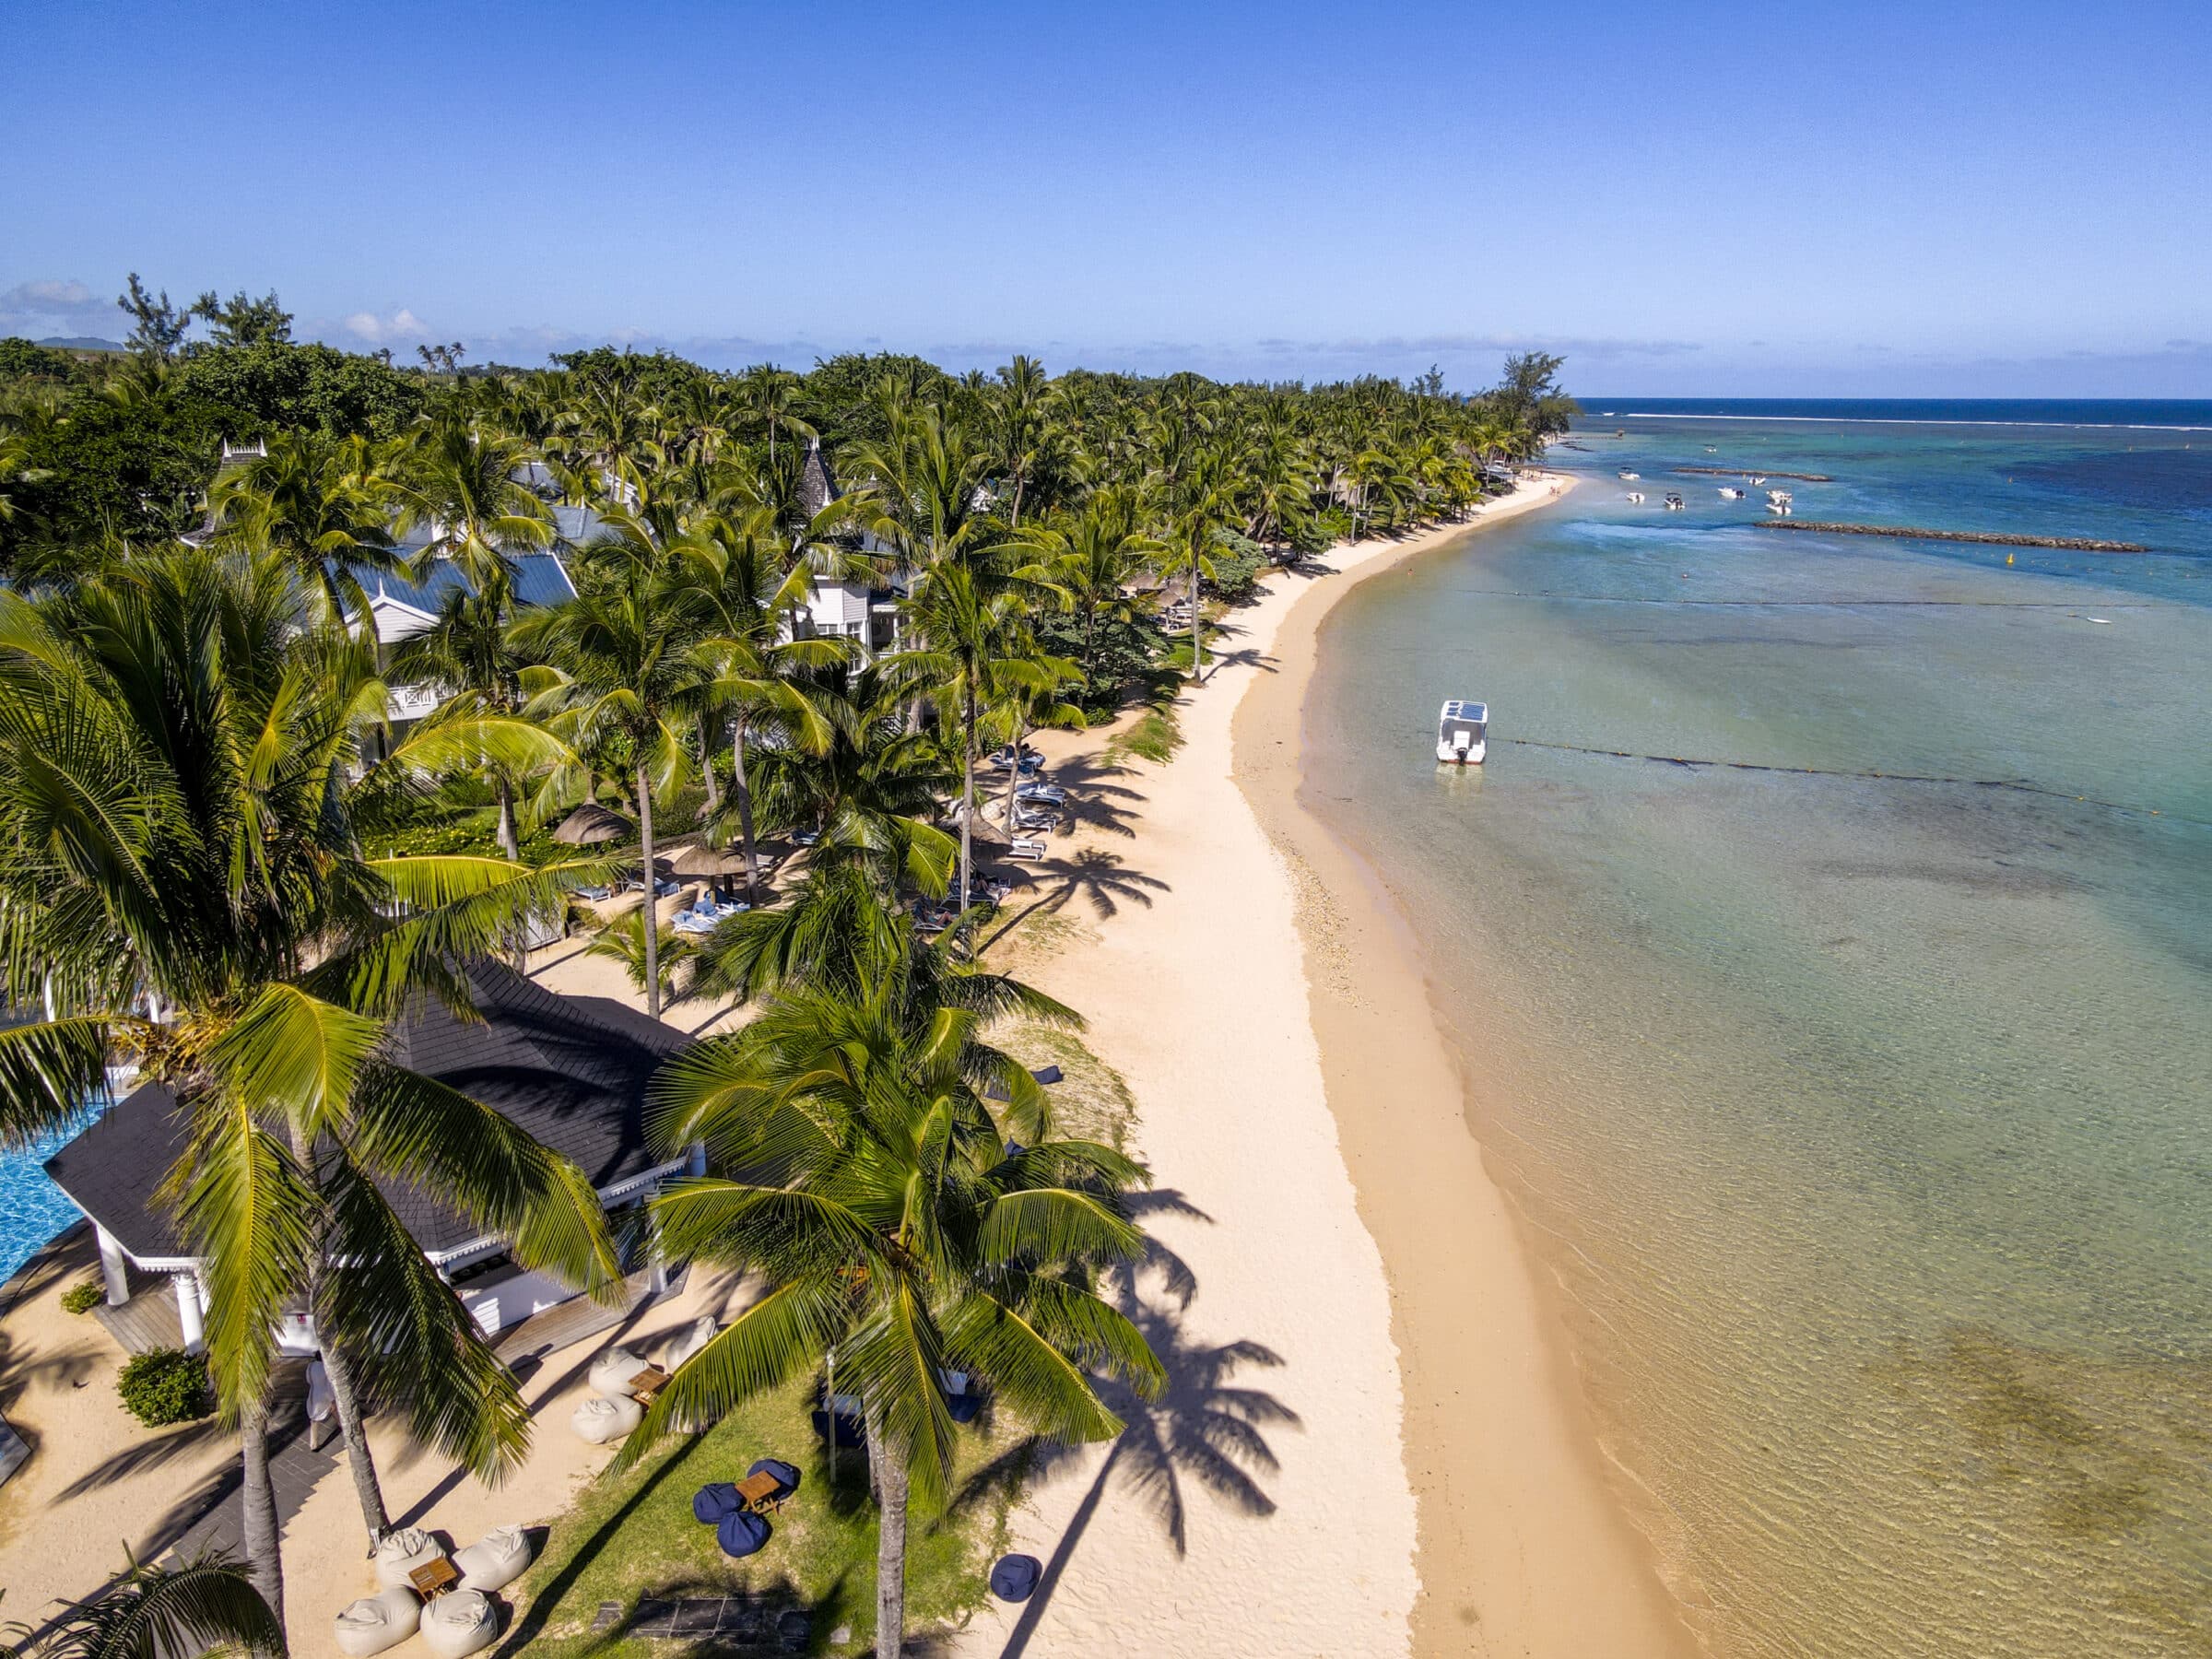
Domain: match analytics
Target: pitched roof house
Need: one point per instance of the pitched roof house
(570, 1070)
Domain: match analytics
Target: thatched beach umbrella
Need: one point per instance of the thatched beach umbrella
(695, 857)
(591, 824)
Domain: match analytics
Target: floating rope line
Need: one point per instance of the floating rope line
(2014, 785)
(2058, 604)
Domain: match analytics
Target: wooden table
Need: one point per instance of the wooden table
(761, 1492)
(434, 1578)
(647, 1383)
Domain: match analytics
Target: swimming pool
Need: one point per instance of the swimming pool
(33, 1208)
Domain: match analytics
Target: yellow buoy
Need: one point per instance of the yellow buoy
(2008, 558)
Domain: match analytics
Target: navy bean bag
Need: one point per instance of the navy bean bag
(787, 1474)
(711, 1504)
(794, 1631)
(1015, 1578)
(740, 1532)
(849, 1432)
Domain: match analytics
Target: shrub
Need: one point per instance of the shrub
(83, 1296)
(164, 1386)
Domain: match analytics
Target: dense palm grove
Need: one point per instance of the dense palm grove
(220, 861)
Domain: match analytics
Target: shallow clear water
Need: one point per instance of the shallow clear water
(1868, 1123)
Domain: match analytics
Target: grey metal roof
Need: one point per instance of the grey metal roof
(570, 1070)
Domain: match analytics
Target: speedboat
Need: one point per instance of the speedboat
(1627, 473)
(1674, 503)
(1463, 733)
(1759, 479)
(1780, 497)
(1636, 496)
(1730, 493)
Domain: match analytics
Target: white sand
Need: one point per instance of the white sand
(1196, 992)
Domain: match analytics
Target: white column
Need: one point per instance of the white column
(111, 1267)
(188, 1312)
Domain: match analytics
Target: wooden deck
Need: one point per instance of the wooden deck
(147, 1322)
(579, 1318)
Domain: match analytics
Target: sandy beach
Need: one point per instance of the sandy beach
(1299, 1110)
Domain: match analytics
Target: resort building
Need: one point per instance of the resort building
(572, 1071)
(841, 606)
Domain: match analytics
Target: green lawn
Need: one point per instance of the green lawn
(634, 1537)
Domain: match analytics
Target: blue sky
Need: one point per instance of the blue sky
(1700, 200)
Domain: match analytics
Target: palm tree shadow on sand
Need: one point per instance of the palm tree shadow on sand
(1206, 1429)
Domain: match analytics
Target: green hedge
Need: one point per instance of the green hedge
(164, 1386)
(82, 1297)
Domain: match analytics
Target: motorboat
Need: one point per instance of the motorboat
(1758, 480)
(1636, 496)
(1631, 475)
(1674, 503)
(1730, 493)
(1463, 733)
(1780, 497)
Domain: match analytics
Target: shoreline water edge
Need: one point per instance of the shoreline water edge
(1524, 1542)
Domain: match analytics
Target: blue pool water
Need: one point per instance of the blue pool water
(31, 1207)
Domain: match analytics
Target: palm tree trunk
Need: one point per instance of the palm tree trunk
(366, 1486)
(1021, 732)
(706, 757)
(968, 797)
(343, 1393)
(652, 903)
(264, 1567)
(1197, 637)
(510, 849)
(888, 1464)
(744, 793)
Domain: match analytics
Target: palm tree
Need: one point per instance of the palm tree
(863, 1174)
(468, 655)
(967, 616)
(322, 504)
(626, 669)
(1020, 429)
(204, 1607)
(463, 483)
(1093, 559)
(177, 810)
(747, 590)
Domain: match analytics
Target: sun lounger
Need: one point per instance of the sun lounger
(376, 1622)
(1025, 847)
(462, 1621)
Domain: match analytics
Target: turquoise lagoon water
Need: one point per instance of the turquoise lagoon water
(1867, 1125)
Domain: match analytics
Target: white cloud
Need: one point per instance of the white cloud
(402, 324)
(58, 305)
(46, 293)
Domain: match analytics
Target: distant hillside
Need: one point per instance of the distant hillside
(81, 343)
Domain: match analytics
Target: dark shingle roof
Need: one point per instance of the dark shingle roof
(817, 483)
(572, 1070)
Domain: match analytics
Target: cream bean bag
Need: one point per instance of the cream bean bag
(460, 1622)
(684, 1343)
(401, 1552)
(600, 1420)
(377, 1622)
(494, 1562)
(611, 1372)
